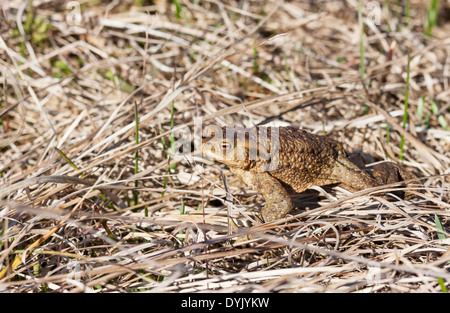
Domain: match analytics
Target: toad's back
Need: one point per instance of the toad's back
(303, 159)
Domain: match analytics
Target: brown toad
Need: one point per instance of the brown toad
(278, 161)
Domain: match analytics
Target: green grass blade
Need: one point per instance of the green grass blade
(440, 235)
(172, 135)
(421, 108)
(361, 41)
(406, 13)
(255, 57)
(136, 152)
(405, 111)
(432, 16)
(442, 285)
(66, 158)
(182, 208)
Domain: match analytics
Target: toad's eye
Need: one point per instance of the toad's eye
(225, 146)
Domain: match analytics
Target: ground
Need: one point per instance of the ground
(91, 200)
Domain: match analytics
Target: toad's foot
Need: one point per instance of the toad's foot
(278, 201)
(390, 172)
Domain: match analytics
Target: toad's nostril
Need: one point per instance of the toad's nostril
(208, 149)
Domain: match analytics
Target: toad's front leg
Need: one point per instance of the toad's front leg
(278, 201)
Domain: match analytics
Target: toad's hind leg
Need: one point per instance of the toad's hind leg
(351, 175)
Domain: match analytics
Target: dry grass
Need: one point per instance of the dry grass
(74, 87)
